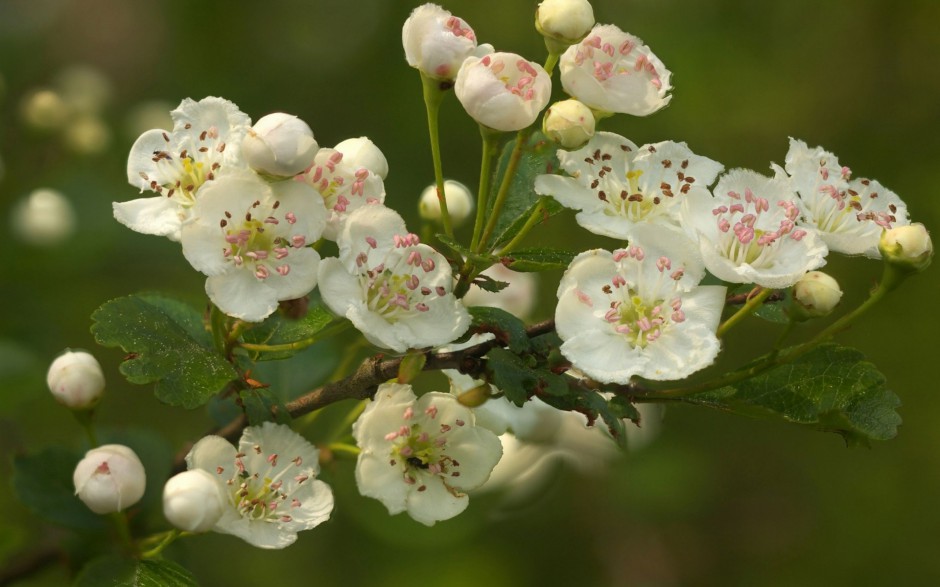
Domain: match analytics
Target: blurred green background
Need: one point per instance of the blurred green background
(714, 499)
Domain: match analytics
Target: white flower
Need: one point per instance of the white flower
(436, 42)
(44, 218)
(193, 501)
(346, 185)
(502, 90)
(816, 294)
(564, 20)
(362, 152)
(849, 214)
(459, 202)
(75, 379)
(396, 291)
(747, 233)
(618, 186)
(204, 144)
(421, 455)
(280, 145)
(109, 479)
(251, 238)
(613, 71)
(269, 484)
(908, 246)
(569, 123)
(518, 298)
(637, 312)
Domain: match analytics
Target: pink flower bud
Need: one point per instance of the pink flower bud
(109, 479)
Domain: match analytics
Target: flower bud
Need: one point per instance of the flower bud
(192, 501)
(569, 123)
(908, 247)
(475, 397)
(87, 135)
(436, 42)
(459, 202)
(362, 152)
(109, 479)
(815, 295)
(44, 110)
(567, 21)
(279, 144)
(44, 218)
(76, 380)
(503, 91)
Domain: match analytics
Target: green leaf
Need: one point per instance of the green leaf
(282, 330)
(114, 571)
(458, 252)
(519, 378)
(43, 482)
(830, 388)
(411, 366)
(538, 259)
(595, 406)
(167, 345)
(538, 157)
(22, 373)
(508, 329)
(263, 405)
(487, 283)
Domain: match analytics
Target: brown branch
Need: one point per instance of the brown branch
(364, 381)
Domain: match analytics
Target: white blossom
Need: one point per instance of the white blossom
(459, 202)
(569, 123)
(44, 218)
(193, 501)
(280, 145)
(437, 42)
(76, 380)
(637, 311)
(748, 231)
(110, 478)
(502, 90)
(849, 214)
(362, 152)
(617, 186)
(203, 145)
(565, 20)
(395, 290)
(252, 239)
(269, 483)
(421, 455)
(346, 183)
(613, 71)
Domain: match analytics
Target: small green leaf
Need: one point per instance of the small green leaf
(508, 329)
(263, 405)
(487, 283)
(594, 405)
(114, 571)
(167, 345)
(463, 252)
(43, 482)
(830, 388)
(538, 157)
(411, 366)
(519, 378)
(540, 259)
(280, 330)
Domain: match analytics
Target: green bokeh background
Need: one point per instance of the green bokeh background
(715, 499)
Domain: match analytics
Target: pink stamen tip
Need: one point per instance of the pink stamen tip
(298, 241)
(283, 270)
(584, 298)
(290, 218)
(409, 413)
(391, 436)
(372, 242)
(431, 411)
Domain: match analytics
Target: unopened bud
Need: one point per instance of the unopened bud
(43, 218)
(193, 501)
(564, 21)
(569, 123)
(476, 397)
(815, 295)
(44, 110)
(109, 479)
(76, 380)
(362, 152)
(87, 135)
(437, 42)
(459, 202)
(907, 247)
(280, 145)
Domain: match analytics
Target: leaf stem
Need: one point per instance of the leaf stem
(433, 96)
(513, 165)
(327, 331)
(490, 150)
(123, 528)
(530, 223)
(744, 311)
(343, 448)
